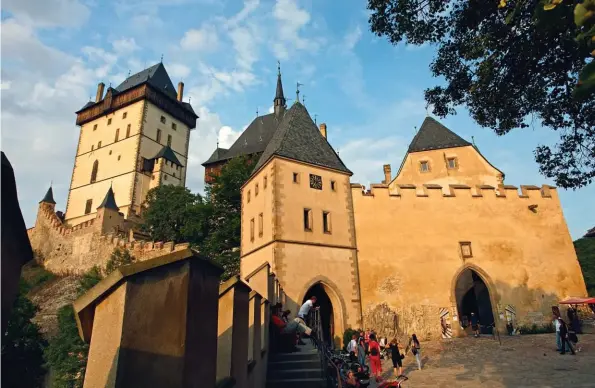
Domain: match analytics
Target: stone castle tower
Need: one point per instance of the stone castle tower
(133, 138)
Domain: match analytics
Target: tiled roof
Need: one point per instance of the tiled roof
(155, 75)
(434, 136)
(217, 155)
(298, 138)
(168, 154)
(253, 140)
(49, 196)
(109, 202)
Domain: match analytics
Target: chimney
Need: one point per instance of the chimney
(99, 94)
(323, 130)
(386, 174)
(180, 91)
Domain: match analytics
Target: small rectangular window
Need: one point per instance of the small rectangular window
(256, 190)
(252, 229)
(326, 222)
(88, 206)
(163, 119)
(333, 185)
(124, 115)
(248, 196)
(296, 177)
(265, 182)
(99, 145)
(260, 221)
(109, 121)
(165, 176)
(169, 140)
(159, 136)
(424, 166)
(117, 134)
(92, 147)
(95, 127)
(128, 131)
(452, 163)
(308, 220)
(174, 126)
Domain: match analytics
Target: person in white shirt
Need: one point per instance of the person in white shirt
(306, 307)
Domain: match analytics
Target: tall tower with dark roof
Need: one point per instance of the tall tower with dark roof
(279, 101)
(132, 138)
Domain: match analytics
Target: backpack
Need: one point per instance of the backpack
(374, 351)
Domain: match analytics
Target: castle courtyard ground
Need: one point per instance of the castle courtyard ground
(521, 361)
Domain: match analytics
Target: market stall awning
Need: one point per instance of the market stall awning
(589, 300)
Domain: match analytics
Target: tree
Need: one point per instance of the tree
(22, 345)
(585, 251)
(506, 64)
(175, 214)
(225, 198)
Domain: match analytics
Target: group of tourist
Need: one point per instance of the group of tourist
(566, 333)
(367, 344)
(288, 332)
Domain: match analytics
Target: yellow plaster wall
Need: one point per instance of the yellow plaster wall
(409, 254)
(473, 169)
(263, 202)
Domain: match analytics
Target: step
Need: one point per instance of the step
(296, 383)
(297, 356)
(309, 373)
(293, 364)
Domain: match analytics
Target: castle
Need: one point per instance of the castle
(418, 252)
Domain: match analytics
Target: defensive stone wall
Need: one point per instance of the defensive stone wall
(76, 249)
(414, 242)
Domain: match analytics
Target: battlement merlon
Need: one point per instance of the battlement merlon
(456, 191)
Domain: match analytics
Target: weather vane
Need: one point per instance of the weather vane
(297, 92)
(278, 67)
(256, 111)
(304, 100)
(315, 116)
(161, 58)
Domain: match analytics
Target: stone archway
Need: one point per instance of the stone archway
(328, 293)
(473, 291)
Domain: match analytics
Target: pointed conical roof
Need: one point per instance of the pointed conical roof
(434, 136)
(298, 138)
(168, 154)
(279, 92)
(109, 202)
(49, 197)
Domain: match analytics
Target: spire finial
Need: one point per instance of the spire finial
(473, 140)
(256, 111)
(189, 99)
(217, 140)
(297, 91)
(315, 116)
(161, 58)
(427, 110)
(128, 72)
(278, 68)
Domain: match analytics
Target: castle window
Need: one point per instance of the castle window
(265, 182)
(163, 119)
(333, 185)
(252, 229)
(452, 163)
(117, 134)
(110, 152)
(424, 166)
(260, 221)
(94, 171)
(465, 249)
(308, 220)
(296, 177)
(326, 222)
(88, 206)
(99, 145)
(256, 190)
(165, 176)
(128, 131)
(174, 126)
(159, 136)
(169, 140)
(124, 115)
(95, 127)
(315, 182)
(119, 156)
(248, 196)
(109, 121)
(92, 147)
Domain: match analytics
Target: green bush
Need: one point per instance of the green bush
(537, 329)
(22, 345)
(118, 258)
(35, 275)
(347, 336)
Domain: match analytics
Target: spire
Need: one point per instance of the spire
(279, 101)
(49, 197)
(109, 202)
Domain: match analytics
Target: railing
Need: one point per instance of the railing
(329, 370)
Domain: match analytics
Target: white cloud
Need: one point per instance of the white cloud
(125, 46)
(352, 38)
(203, 39)
(178, 70)
(290, 20)
(272, 109)
(48, 13)
(227, 136)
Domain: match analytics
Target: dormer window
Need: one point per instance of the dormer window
(109, 121)
(452, 163)
(424, 166)
(163, 119)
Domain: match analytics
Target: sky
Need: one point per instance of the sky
(370, 93)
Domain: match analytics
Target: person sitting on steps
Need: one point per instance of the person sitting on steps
(302, 314)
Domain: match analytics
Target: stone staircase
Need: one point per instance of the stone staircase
(299, 369)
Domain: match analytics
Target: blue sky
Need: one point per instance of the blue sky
(368, 92)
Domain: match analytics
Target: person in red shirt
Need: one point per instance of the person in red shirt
(375, 362)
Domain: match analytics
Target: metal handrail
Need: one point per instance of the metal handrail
(321, 346)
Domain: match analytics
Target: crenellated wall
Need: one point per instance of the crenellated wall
(410, 247)
(74, 250)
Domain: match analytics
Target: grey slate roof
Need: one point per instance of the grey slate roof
(168, 154)
(155, 76)
(109, 202)
(434, 136)
(253, 140)
(218, 154)
(298, 138)
(49, 196)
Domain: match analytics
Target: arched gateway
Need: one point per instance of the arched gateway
(472, 296)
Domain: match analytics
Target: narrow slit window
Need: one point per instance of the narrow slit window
(296, 177)
(248, 196)
(99, 145)
(174, 126)
(88, 206)
(252, 229)
(326, 222)
(333, 186)
(124, 115)
(260, 222)
(128, 130)
(109, 121)
(308, 220)
(265, 182)
(117, 134)
(169, 140)
(159, 136)
(256, 190)
(94, 126)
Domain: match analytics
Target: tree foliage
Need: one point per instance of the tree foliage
(585, 251)
(22, 345)
(175, 214)
(507, 62)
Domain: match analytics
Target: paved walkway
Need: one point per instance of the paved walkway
(521, 361)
